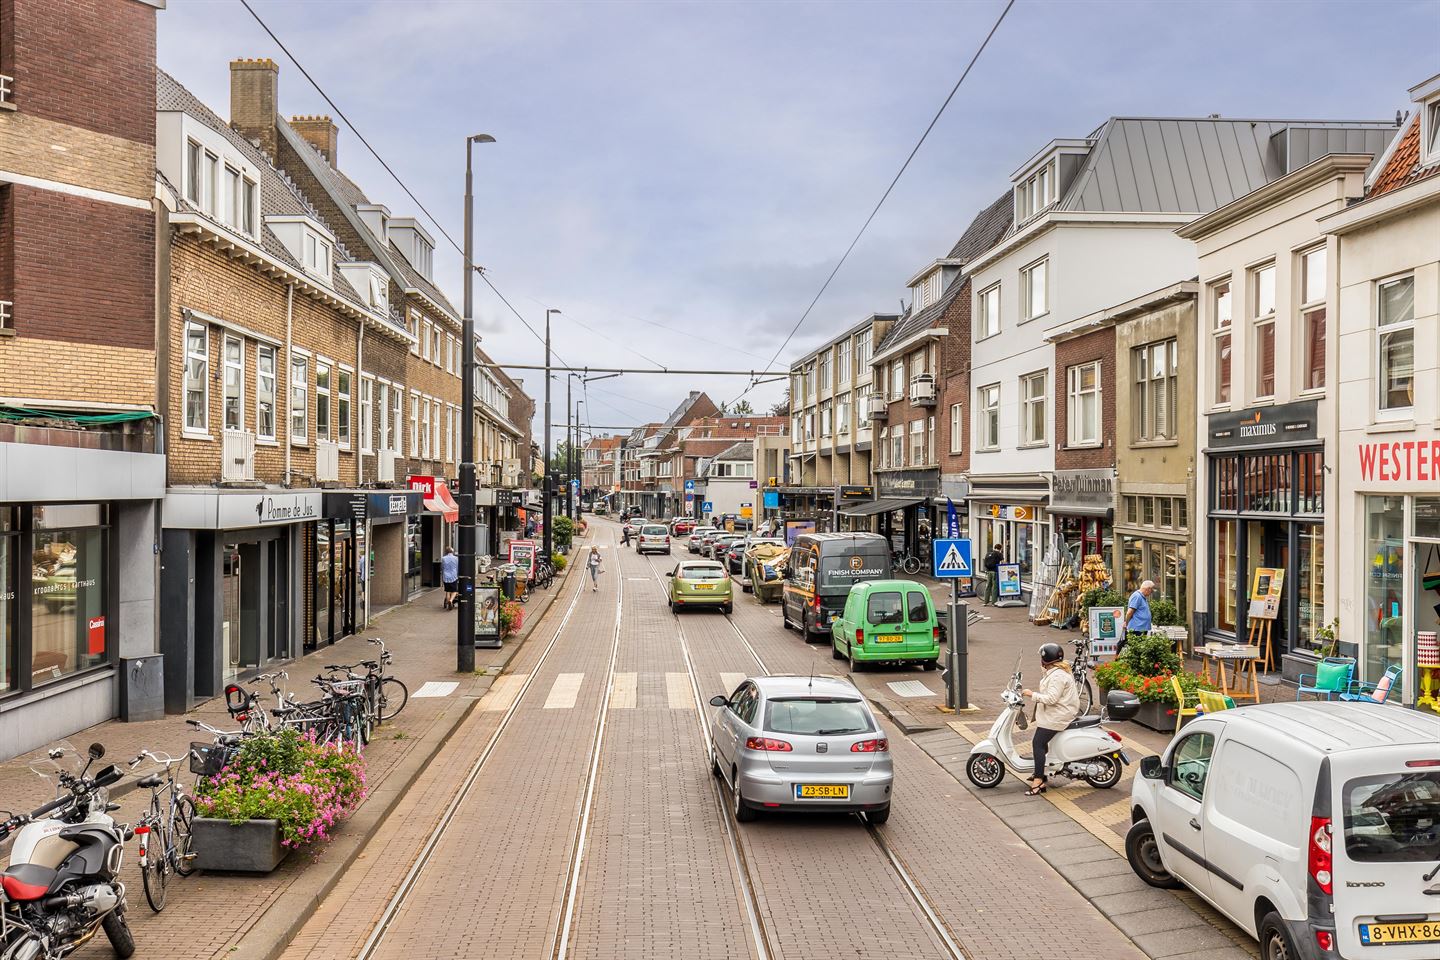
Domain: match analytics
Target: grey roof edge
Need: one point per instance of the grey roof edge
(1163, 296)
(850, 331)
(1313, 173)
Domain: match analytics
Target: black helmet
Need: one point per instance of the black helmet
(1051, 653)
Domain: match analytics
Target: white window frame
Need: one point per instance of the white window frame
(197, 377)
(1075, 436)
(249, 205)
(211, 185)
(299, 397)
(415, 424)
(1150, 388)
(1040, 269)
(897, 446)
(826, 382)
(987, 417)
(265, 390)
(1263, 323)
(897, 380)
(842, 364)
(917, 442)
(367, 414)
(414, 326)
(1222, 329)
(232, 368)
(425, 330)
(1386, 330)
(863, 344)
(435, 338)
(987, 312)
(323, 386)
(842, 415)
(1309, 305)
(1430, 131)
(233, 198)
(344, 387)
(194, 173)
(434, 429)
(1029, 400)
(957, 428)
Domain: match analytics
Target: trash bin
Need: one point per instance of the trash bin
(507, 583)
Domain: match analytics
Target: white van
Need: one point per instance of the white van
(1313, 826)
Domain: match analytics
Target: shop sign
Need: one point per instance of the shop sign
(504, 498)
(95, 635)
(287, 508)
(770, 499)
(522, 554)
(346, 506)
(1009, 580)
(393, 504)
(1265, 593)
(1083, 490)
(997, 511)
(1399, 461)
(1263, 426)
(909, 483)
(747, 510)
(423, 485)
(857, 492)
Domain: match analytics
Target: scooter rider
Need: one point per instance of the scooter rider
(1057, 703)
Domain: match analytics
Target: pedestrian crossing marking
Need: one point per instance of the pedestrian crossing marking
(564, 691)
(730, 681)
(623, 696)
(677, 691)
(952, 562)
(911, 688)
(503, 692)
(435, 688)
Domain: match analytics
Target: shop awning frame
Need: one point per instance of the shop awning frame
(884, 505)
(441, 502)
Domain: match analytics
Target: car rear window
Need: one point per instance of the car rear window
(883, 607)
(816, 717)
(702, 573)
(919, 609)
(653, 530)
(1393, 817)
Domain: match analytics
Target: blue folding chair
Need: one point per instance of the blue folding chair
(1377, 692)
(1332, 676)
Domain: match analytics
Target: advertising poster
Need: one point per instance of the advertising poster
(487, 613)
(522, 554)
(1009, 581)
(793, 529)
(1265, 593)
(1106, 624)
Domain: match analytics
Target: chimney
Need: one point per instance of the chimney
(320, 132)
(255, 101)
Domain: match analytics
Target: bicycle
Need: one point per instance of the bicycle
(170, 821)
(348, 710)
(1080, 666)
(385, 692)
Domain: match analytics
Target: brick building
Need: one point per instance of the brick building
(600, 469)
(1082, 486)
(81, 472)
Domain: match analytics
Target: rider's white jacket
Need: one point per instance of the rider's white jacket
(1057, 702)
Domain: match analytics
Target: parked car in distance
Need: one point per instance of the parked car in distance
(700, 583)
(654, 538)
(1313, 826)
(707, 542)
(735, 556)
(681, 526)
(697, 537)
(819, 573)
(887, 621)
(801, 744)
(721, 545)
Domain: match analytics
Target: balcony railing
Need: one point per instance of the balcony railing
(922, 390)
(238, 451)
(879, 407)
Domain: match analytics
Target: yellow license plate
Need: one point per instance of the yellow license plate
(1378, 934)
(704, 586)
(822, 791)
(889, 638)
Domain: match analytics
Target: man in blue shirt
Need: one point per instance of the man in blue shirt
(450, 574)
(1137, 611)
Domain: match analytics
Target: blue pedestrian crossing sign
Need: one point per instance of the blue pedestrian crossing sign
(952, 559)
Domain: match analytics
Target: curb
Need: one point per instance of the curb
(278, 925)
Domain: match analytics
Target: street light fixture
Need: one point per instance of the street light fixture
(547, 514)
(465, 629)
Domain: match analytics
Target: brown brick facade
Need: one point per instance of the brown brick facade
(954, 383)
(1074, 351)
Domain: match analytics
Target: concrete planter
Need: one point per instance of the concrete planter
(250, 847)
(1159, 717)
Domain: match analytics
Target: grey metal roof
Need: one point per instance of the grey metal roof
(744, 450)
(1194, 165)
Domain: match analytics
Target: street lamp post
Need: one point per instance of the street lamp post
(577, 471)
(465, 629)
(547, 515)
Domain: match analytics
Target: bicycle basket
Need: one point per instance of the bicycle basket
(208, 759)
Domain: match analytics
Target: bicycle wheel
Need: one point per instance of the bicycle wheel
(910, 565)
(1086, 690)
(373, 698)
(393, 697)
(155, 873)
(182, 849)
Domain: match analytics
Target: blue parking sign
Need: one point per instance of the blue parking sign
(952, 559)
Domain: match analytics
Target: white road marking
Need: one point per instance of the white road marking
(641, 579)
(730, 681)
(565, 690)
(911, 688)
(677, 691)
(435, 688)
(623, 696)
(503, 692)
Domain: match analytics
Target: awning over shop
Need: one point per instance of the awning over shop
(440, 501)
(1009, 495)
(872, 507)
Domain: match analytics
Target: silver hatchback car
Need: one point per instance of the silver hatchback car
(801, 744)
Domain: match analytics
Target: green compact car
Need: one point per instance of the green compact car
(887, 621)
(701, 583)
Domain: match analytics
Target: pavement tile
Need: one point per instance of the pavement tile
(1187, 940)
(1159, 920)
(1098, 887)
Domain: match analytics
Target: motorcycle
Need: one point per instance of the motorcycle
(62, 886)
(1085, 750)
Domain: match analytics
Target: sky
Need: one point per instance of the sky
(678, 179)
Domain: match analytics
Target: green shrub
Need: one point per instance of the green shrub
(1149, 655)
(564, 533)
(1100, 597)
(1164, 613)
(1117, 675)
(558, 561)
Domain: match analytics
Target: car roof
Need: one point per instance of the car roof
(799, 686)
(842, 537)
(889, 585)
(1327, 727)
(711, 564)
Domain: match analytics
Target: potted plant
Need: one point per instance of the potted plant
(276, 793)
(1145, 667)
(512, 615)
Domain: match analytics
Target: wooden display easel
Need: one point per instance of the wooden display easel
(1259, 636)
(1243, 678)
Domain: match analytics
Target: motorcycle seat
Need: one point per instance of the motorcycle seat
(27, 881)
(1079, 722)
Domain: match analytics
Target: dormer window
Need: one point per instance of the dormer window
(1036, 192)
(1430, 132)
(926, 292)
(379, 296)
(317, 255)
(425, 257)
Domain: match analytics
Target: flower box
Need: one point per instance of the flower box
(252, 846)
(1153, 714)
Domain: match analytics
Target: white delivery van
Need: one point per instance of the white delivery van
(1313, 826)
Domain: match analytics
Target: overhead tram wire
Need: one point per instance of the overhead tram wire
(886, 195)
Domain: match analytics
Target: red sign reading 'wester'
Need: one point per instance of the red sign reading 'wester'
(1400, 460)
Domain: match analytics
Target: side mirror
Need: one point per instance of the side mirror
(720, 701)
(97, 750)
(1151, 768)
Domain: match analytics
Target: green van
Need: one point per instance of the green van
(887, 621)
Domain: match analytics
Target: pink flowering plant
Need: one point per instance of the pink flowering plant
(307, 787)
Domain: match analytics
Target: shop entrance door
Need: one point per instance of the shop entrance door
(1275, 552)
(345, 583)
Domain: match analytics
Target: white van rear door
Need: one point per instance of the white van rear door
(1386, 829)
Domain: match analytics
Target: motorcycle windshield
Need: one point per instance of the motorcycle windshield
(50, 763)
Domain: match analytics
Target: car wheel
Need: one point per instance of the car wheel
(878, 817)
(984, 770)
(714, 761)
(1143, 852)
(850, 655)
(728, 609)
(1275, 942)
(1110, 777)
(835, 650)
(930, 664)
(785, 616)
(743, 813)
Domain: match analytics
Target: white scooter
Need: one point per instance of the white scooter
(1083, 751)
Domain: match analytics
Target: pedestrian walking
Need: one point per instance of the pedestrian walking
(594, 565)
(1057, 703)
(992, 562)
(1137, 613)
(450, 576)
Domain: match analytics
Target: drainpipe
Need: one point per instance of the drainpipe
(289, 346)
(358, 389)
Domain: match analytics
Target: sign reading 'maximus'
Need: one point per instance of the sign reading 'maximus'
(1264, 426)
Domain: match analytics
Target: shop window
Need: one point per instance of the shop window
(69, 629)
(1312, 316)
(1221, 310)
(1267, 483)
(10, 566)
(1033, 415)
(1310, 482)
(1153, 414)
(1165, 562)
(1427, 518)
(1395, 328)
(1225, 491)
(1227, 568)
(1310, 590)
(1384, 565)
(197, 377)
(299, 399)
(265, 392)
(234, 383)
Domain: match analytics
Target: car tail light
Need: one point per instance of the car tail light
(667, 540)
(815, 601)
(1325, 940)
(1422, 763)
(859, 638)
(765, 743)
(935, 634)
(1115, 736)
(1320, 859)
(881, 745)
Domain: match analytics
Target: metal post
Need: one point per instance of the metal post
(547, 509)
(957, 679)
(569, 405)
(465, 629)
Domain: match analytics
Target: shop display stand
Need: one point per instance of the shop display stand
(1427, 659)
(1259, 637)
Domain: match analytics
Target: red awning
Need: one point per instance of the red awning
(442, 503)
